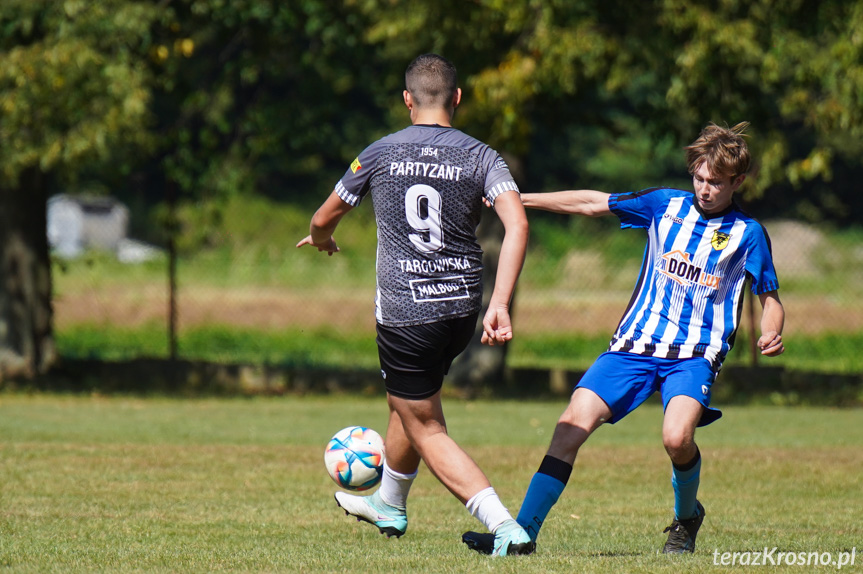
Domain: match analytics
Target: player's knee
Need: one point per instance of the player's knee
(585, 410)
(575, 421)
(677, 441)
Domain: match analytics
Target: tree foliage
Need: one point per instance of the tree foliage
(74, 87)
(275, 97)
(260, 95)
(606, 93)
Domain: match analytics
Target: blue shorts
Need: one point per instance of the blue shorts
(625, 380)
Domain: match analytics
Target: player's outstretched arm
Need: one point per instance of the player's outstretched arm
(496, 325)
(772, 322)
(324, 223)
(575, 201)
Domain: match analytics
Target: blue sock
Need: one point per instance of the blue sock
(544, 490)
(684, 481)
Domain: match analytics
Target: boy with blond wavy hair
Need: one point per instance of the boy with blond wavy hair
(679, 325)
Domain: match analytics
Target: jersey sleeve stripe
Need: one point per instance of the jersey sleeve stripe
(346, 196)
(500, 188)
(767, 287)
(618, 197)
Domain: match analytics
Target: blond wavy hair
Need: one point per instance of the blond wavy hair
(723, 149)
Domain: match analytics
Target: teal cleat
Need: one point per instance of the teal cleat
(390, 520)
(510, 539)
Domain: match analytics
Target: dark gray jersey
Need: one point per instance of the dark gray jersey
(427, 185)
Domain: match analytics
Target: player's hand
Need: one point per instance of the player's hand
(770, 344)
(487, 203)
(496, 326)
(330, 246)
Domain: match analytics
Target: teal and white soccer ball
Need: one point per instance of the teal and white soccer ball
(354, 458)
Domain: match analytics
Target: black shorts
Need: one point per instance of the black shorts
(414, 359)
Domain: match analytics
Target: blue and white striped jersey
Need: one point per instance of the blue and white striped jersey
(689, 295)
(427, 184)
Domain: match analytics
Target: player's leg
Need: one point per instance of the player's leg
(686, 396)
(387, 507)
(424, 423)
(615, 384)
(585, 413)
(400, 464)
(414, 361)
(509, 537)
(612, 387)
(678, 437)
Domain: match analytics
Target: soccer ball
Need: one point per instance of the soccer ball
(354, 458)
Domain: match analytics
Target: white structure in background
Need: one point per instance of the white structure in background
(78, 223)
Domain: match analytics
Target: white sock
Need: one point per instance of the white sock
(395, 487)
(487, 507)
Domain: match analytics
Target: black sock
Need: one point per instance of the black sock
(688, 465)
(555, 468)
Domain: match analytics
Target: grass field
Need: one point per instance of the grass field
(128, 484)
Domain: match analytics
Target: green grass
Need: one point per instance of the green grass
(580, 265)
(829, 353)
(126, 484)
(332, 348)
(223, 344)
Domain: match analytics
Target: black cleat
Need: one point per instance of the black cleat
(682, 533)
(482, 542)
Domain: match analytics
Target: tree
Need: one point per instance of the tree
(72, 91)
(795, 70)
(586, 83)
(259, 96)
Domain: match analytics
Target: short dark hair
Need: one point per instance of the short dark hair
(432, 81)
